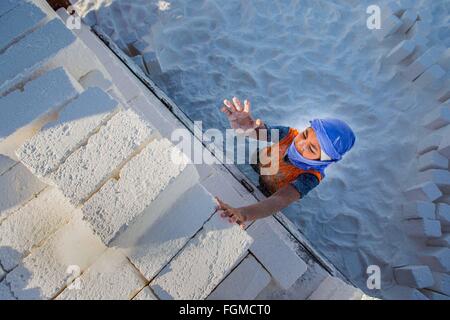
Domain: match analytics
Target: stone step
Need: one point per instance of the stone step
(423, 228)
(443, 214)
(419, 209)
(243, 283)
(6, 163)
(17, 187)
(45, 43)
(432, 160)
(426, 191)
(406, 293)
(431, 141)
(204, 262)
(139, 183)
(438, 259)
(90, 166)
(51, 267)
(276, 252)
(111, 277)
(443, 241)
(439, 177)
(426, 60)
(441, 283)
(31, 224)
(390, 25)
(18, 22)
(433, 295)
(444, 146)
(400, 52)
(333, 288)
(438, 118)
(159, 234)
(77, 122)
(414, 276)
(23, 113)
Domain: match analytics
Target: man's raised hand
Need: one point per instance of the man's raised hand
(240, 117)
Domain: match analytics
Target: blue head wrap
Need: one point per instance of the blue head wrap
(335, 138)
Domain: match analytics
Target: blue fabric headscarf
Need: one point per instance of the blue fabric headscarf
(335, 138)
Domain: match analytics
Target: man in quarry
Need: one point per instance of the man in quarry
(292, 165)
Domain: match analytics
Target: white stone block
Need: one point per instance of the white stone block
(117, 71)
(408, 18)
(419, 28)
(31, 224)
(441, 283)
(5, 292)
(145, 294)
(45, 43)
(276, 252)
(430, 57)
(119, 202)
(96, 78)
(139, 60)
(24, 112)
(17, 186)
(427, 191)
(140, 46)
(438, 118)
(79, 120)
(152, 63)
(439, 177)
(401, 51)
(425, 228)
(389, 25)
(392, 8)
(443, 213)
(221, 185)
(332, 288)
(111, 277)
(419, 209)
(432, 295)
(7, 5)
(404, 293)
(90, 166)
(160, 236)
(204, 262)
(444, 146)
(414, 276)
(438, 259)
(18, 22)
(243, 283)
(443, 241)
(6, 163)
(432, 160)
(431, 77)
(430, 142)
(52, 266)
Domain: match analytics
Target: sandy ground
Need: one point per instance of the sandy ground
(297, 60)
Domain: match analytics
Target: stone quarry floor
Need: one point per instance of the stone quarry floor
(92, 205)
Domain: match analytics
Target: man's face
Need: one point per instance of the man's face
(307, 144)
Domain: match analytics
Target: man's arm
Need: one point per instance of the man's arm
(267, 207)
